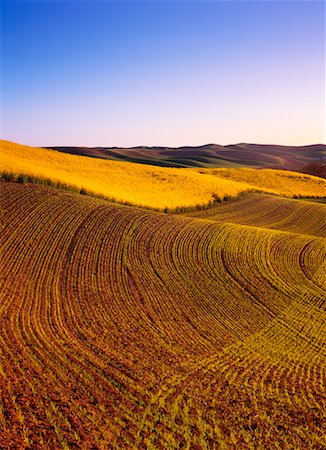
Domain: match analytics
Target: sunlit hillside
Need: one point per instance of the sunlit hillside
(130, 329)
(280, 182)
(122, 181)
(153, 187)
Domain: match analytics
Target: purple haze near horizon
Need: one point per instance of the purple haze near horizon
(170, 73)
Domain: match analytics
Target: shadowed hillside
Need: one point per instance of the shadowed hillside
(305, 158)
(317, 169)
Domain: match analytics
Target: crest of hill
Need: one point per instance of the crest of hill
(158, 188)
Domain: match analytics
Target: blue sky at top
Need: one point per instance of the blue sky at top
(163, 73)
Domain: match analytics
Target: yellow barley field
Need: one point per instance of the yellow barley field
(280, 182)
(124, 182)
(150, 186)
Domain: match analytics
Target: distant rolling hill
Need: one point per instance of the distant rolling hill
(309, 159)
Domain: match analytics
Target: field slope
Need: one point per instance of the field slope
(148, 186)
(269, 211)
(130, 329)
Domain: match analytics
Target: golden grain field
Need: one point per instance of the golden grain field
(280, 182)
(149, 186)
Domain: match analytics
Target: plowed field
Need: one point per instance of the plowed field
(269, 211)
(130, 329)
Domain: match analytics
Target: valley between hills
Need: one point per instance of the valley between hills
(164, 308)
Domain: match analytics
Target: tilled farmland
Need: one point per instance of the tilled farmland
(123, 328)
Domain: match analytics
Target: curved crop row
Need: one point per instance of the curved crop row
(268, 211)
(123, 328)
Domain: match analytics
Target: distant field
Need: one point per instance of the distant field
(149, 186)
(307, 159)
(279, 182)
(130, 329)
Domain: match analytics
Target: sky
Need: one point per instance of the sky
(168, 73)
